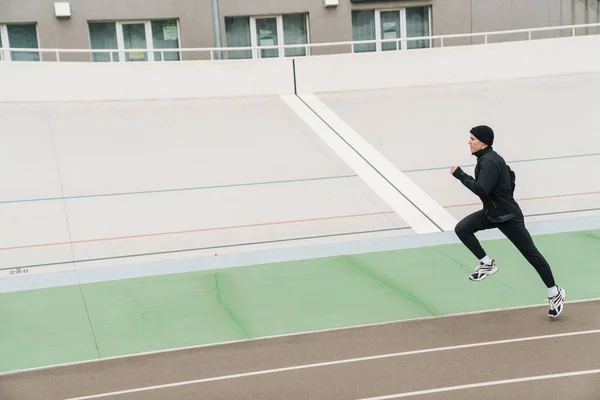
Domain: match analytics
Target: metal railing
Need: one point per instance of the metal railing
(255, 51)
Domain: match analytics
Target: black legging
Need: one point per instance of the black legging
(514, 230)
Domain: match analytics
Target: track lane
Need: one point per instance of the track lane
(243, 357)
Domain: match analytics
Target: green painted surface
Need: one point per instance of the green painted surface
(158, 312)
(153, 313)
(43, 327)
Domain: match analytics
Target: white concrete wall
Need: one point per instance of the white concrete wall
(49, 81)
(439, 66)
(91, 180)
(51, 151)
(32, 82)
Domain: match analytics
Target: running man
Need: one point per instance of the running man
(494, 183)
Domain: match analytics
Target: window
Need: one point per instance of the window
(150, 35)
(284, 29)
(391, 24)
(19, 36)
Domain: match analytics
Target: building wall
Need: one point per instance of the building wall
(450, 17)
(325, 24)
(195, 20)
(496, 15)
(334, 24)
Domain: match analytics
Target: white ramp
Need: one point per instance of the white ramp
(400, 193)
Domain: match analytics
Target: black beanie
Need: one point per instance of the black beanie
(483, 133)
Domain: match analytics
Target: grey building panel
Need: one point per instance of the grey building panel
(325, 24)
(195, 22)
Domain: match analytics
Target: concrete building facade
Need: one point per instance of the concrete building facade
(167, 24)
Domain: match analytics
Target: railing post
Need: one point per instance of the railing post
(442, 41)
(212, 55)
(485, 38)
(529, 35)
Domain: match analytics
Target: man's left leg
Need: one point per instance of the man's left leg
(518, 234)
(465, 230)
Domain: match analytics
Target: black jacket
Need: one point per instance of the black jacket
(494, 183)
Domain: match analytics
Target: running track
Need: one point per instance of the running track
(516, 354)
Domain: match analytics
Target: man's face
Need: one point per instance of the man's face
(476, 144)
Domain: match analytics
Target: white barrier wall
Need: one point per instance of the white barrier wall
(49, 81)
(106, 178)
(81, 81)
(437, 66)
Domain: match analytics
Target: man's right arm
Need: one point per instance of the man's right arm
(464, 178)
(482, 187)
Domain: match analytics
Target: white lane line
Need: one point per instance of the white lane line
(484, 384)
(336, 362)
(284, 335)
(407, 211)
(398, 179)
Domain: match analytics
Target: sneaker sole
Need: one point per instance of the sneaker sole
(564, 293)
(492, 272)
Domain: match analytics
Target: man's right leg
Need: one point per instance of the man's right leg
(465, 230)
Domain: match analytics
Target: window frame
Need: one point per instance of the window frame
(403, 33)
(5, 54)
(150, 50)
(256, 53)
(402, 12)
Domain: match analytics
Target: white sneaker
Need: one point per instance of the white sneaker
(483, 270)
(556, 303)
